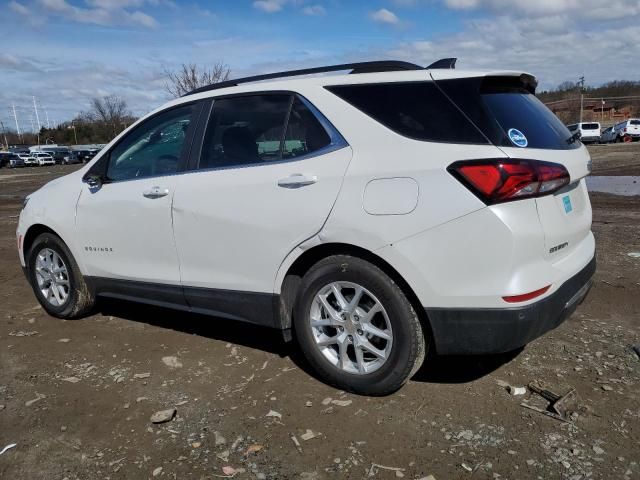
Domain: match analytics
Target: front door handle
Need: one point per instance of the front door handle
(297, 180)
(156, 192)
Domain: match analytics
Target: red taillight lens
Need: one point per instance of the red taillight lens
(500, 180)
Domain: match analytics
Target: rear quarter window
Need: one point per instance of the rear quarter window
(416, 110)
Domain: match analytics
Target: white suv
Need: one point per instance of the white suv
(43, 159)
(29, 159)
(374, 215)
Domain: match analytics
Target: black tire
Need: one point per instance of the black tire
(408, 348)
(80, 300)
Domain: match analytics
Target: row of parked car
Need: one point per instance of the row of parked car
(44, 157)
(591, 132)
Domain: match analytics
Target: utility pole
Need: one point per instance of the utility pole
(75, 135)
(15, 117)
(35, 107)
(4, 133)
(46, 112)
(581, 82)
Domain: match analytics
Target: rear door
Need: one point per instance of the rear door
(269, 170)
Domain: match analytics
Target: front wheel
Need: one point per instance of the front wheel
(56, 279)
(356, 327)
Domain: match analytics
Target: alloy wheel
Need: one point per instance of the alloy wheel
(52, 277)
(351, 327)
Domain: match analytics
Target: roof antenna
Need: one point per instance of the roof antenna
(443, 63)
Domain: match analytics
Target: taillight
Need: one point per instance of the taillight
(504, 180)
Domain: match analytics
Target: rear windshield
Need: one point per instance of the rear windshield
(508, 113)
(634, 122)
(590, 126)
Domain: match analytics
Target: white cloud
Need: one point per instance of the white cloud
(141, 18)
(314, 10)
(384, 16)
(19, 8)
(269, 6)
(115, 4)
(13, 63)
(595, 9)
(100, 12)
(553, 56)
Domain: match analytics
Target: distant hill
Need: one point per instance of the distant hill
(621, 101)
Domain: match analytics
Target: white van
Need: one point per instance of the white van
(589, 131)
(629, 130)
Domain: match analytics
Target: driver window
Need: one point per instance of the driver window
(153, 148)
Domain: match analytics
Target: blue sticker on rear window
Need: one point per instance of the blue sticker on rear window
(567, 204)
(517, 137)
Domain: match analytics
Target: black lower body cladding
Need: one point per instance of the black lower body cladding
(492, 330)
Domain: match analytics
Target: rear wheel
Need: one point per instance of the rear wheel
(56, 279)
(356, 327)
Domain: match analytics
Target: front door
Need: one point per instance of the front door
(125, 225)
(269, 172)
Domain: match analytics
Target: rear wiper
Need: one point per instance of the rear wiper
(574, 137)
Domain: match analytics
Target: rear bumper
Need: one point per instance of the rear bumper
(497, 330)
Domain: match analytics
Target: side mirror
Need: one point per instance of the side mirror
(93, 180)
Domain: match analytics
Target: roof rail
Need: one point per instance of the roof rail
(356, 68)
(443, 63)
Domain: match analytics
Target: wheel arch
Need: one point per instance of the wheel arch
(289, 287)
(33, 232)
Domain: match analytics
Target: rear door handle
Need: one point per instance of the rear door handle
(297, 180)
(156, 192)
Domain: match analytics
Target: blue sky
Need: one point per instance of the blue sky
(67, 51)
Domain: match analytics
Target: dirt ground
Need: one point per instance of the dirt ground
(77, 396)
(616, 158)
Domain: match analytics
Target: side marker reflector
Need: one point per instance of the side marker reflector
(526, 296)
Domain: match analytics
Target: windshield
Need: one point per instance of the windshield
(590, 126)
(508, 113)
(634, 122)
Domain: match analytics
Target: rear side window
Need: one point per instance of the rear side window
(245, 130)
(503, 108)
(259, 129)
(417, 110)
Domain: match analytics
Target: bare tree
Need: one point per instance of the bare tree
(111, 112)
(110, 109)
(191, 76)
